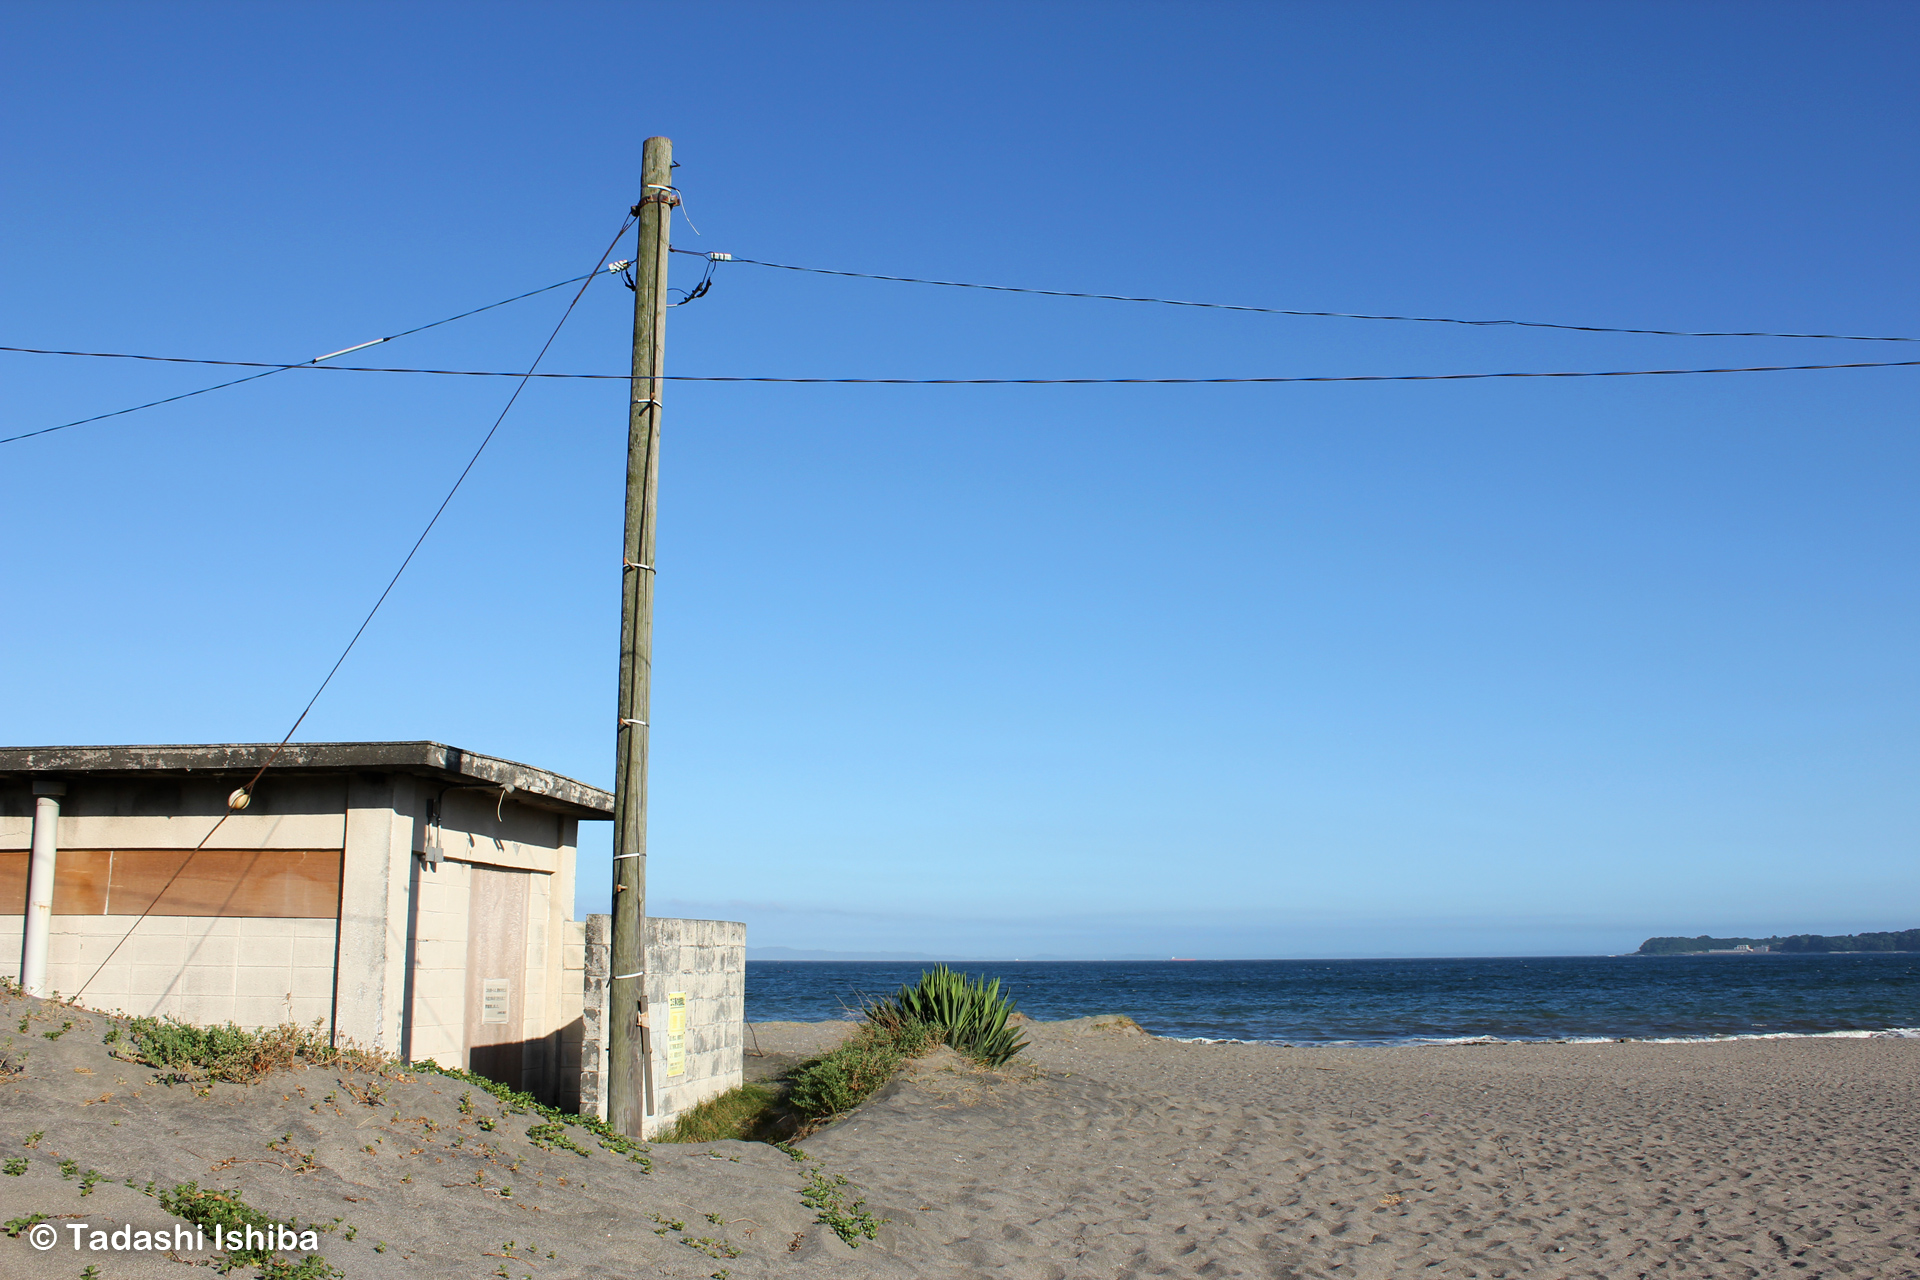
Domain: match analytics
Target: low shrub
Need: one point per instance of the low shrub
(912, 1037)
(845, 1077)
(231, 1054)
(958, 1009)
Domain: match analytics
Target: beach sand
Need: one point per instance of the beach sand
(1125, 1155)
(1101, 1152)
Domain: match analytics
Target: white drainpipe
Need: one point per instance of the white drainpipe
(46, 847)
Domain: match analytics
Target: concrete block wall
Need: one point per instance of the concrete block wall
(439, 971)
(596, 968)
(574, 1032)
(705, 959)
(201, 969)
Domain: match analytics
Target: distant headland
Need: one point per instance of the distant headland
(1792, 944)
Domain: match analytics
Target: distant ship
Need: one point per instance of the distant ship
(1185, 959)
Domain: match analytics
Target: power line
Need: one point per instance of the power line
(989, 382)
(151, 404)
(391, 583)
(269, 369)
(1280, 311)
(185, 395)
(1364, 377)
(458, 481)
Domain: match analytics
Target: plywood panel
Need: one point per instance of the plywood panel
(80, 878)
(277, 883)
(225, 882)
(496, 973)
(79, 882)
(13, 883)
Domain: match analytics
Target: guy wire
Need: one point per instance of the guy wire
(184, 395)
(366, 621)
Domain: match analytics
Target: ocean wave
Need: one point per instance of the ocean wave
(1889, 1033)
(1414, 1042)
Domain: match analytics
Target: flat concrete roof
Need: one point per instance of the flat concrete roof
(435, 760)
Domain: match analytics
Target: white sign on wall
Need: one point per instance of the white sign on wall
(494, 994)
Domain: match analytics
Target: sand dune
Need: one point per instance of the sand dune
(1099, 1153)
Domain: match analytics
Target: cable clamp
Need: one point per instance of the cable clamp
(621, 265)
(719, 257)
(641, 723)
(618, 856)
(628, 564)
(655, 403)
(622, 977)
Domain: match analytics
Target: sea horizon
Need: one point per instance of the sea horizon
(1409, 1000)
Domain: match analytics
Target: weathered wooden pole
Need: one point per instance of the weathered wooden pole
(629, 1047)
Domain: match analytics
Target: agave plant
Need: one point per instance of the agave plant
(965, 1012)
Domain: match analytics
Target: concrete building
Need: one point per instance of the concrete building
(407, 896)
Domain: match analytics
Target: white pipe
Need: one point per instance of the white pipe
(46, 848)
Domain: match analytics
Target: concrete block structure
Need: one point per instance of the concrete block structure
(696, 1007)
(406, 896)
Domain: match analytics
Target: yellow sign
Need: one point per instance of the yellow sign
(676, 1033)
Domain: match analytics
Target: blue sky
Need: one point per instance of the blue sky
(1421, 668)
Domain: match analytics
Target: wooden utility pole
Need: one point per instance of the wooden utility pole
(629, 1046)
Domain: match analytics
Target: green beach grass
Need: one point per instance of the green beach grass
(970, 1016)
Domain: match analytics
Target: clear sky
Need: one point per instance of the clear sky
(1350, 669)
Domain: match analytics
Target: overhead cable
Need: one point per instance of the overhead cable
(458, 480)
(239, 798)
(1281, 311)
(992, 382)
(221, 386)
(151, 404)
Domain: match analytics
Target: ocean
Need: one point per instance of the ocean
(1383, 1002)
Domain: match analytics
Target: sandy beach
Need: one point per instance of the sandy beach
(1101, 1152)
(1129, 1156)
